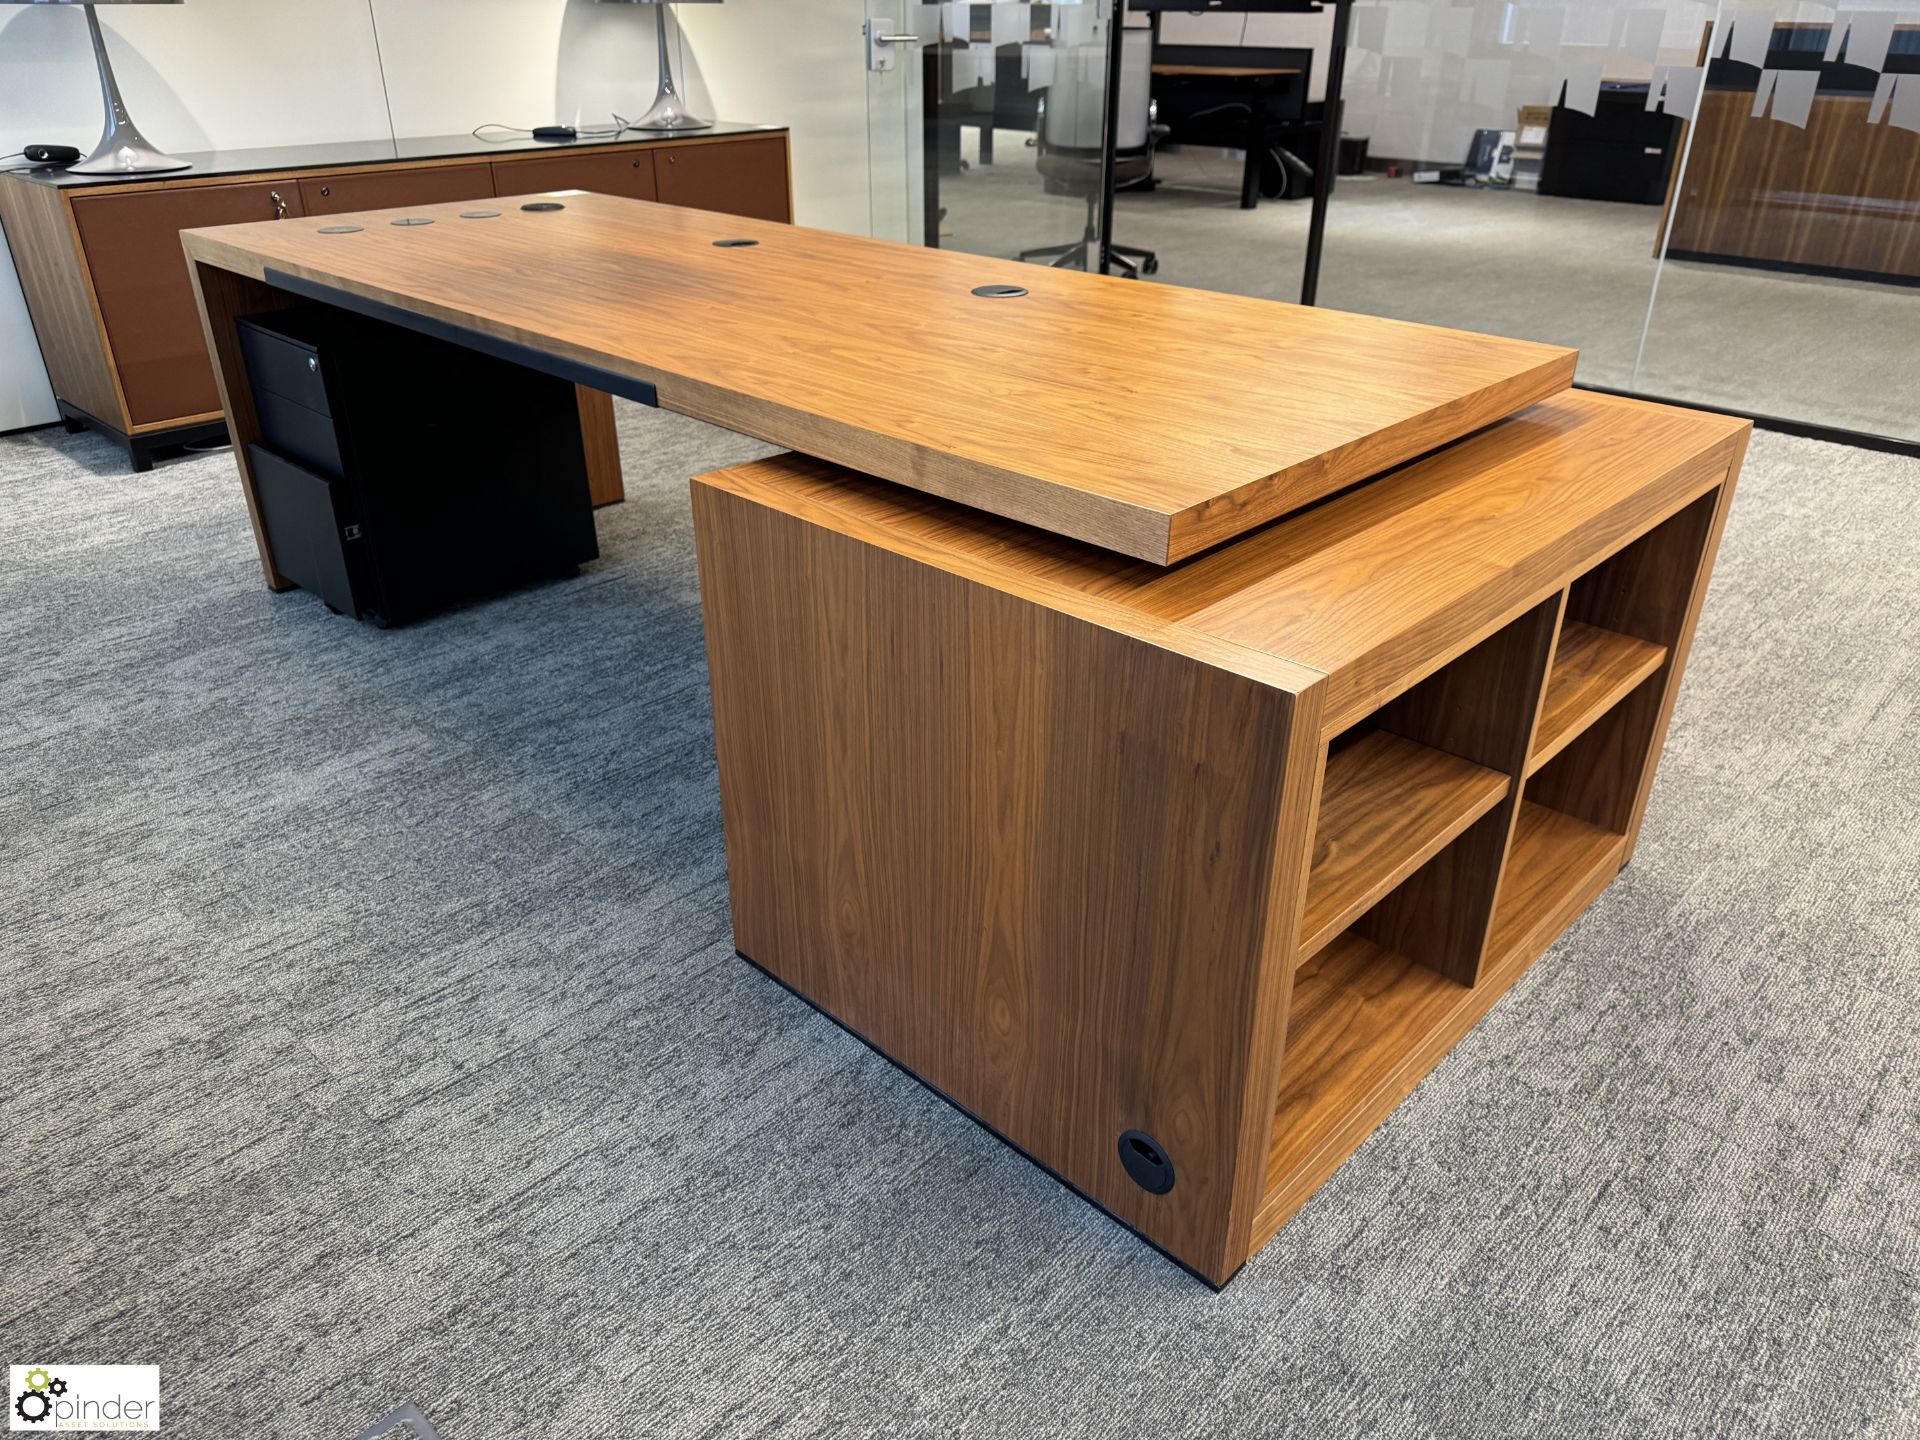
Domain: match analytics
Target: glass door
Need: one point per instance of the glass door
(897, 38)
(986, 125)
(1789, 283)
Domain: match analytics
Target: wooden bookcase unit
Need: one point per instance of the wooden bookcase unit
(1462, 827)
(1226, 854)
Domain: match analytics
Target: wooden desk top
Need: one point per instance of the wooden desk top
(1364, 590)
(1142, 418)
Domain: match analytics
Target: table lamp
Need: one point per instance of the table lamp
(122, 150)
(667, 112)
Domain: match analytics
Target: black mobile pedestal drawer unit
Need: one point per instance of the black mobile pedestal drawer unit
(399, 474)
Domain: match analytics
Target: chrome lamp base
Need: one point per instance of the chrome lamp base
(668, 111)
(122, 150)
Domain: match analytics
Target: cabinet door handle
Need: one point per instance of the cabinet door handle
(325, 190)
(673, 159)
(279, 206)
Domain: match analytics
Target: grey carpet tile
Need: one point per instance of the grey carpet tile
(376, 1036)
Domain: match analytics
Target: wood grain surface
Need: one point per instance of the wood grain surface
(1836, 193)
(984, 727)
(1051, 869)
(1147, 419)
(1652, 589)
(59, 294)
(1593, 670)
(1377, 588)
(1481, 706)
(606, 483)
(1555, 866)
(1387, 806)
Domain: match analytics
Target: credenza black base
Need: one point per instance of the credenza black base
(142, 448)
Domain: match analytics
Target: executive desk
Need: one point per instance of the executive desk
(1169, 822)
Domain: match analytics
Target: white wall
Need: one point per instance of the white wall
(1419, 86)
(236, 74)
(800, 63)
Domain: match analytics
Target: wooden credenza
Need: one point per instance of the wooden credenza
(107, 287)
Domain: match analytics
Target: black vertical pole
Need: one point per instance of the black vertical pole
(1116, 30)
(930, 57)
(1329, 151)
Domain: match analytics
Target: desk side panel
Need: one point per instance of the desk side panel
(223, 298)
(1050, 869)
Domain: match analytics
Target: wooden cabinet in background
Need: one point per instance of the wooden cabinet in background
(106, 282)
(1837, 195)
(621, 173)
(401, 185)
(132, 246)
(748, 177)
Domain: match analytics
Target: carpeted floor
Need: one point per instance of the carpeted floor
(375, 1035)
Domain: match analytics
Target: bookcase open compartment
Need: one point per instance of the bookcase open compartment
(1461, 827)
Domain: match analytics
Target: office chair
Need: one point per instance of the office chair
(1071, 115)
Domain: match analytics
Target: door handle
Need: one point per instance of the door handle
(881, 36)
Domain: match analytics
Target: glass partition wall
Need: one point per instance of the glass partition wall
(1791, 280)
(1716, 203)
(987, 125)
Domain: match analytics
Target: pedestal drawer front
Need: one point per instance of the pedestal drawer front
(735, 177)
(385, 189)
(627, 172)
(139, 273)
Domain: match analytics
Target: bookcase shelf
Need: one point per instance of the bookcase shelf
(1387, 806)
(1555, 865)
(1363, 1021)
(1593, 670)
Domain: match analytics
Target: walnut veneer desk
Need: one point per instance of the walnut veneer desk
(1169, 790)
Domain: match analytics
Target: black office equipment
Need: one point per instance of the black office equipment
(391, 484)
(51, 154)
(1252, 98)
(1622, 151)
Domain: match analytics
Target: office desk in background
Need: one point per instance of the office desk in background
(1198, 89)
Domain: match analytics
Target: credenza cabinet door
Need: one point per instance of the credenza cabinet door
(139, 273)
(625, 173)
(388, 189)
(737, 177)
